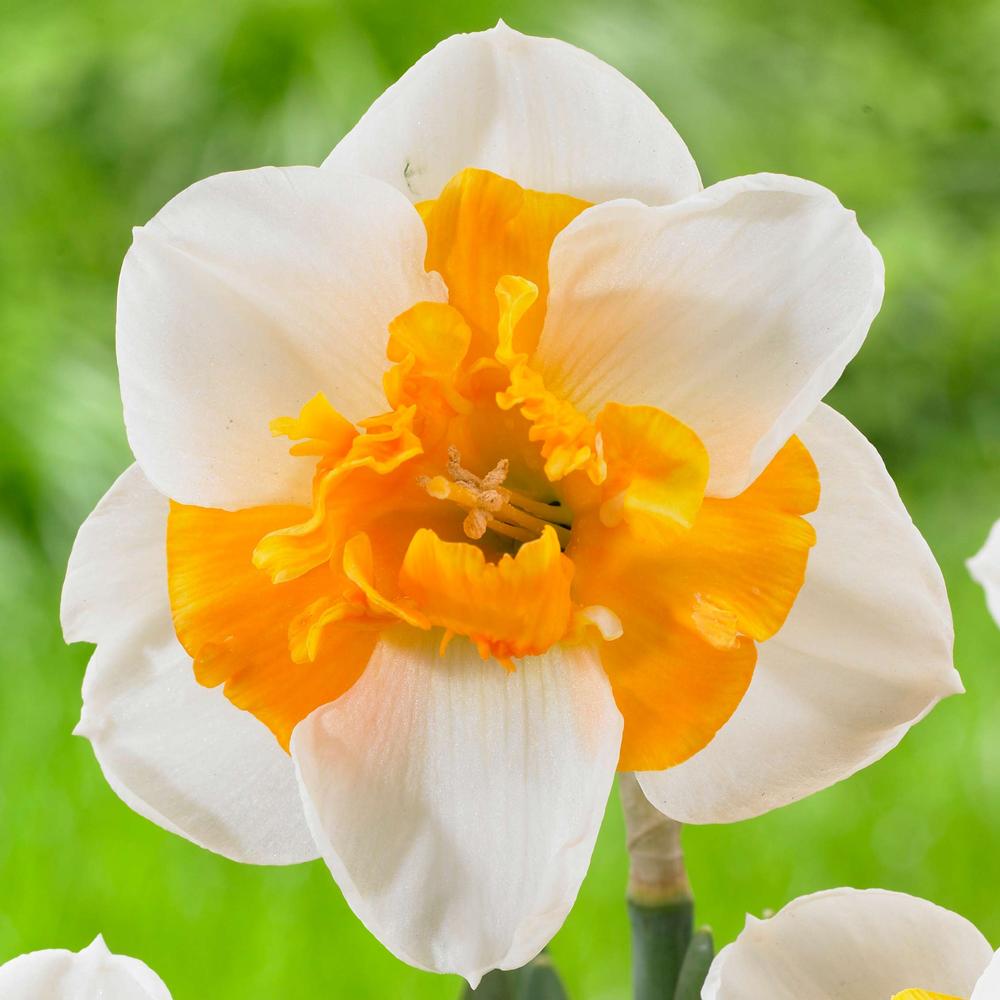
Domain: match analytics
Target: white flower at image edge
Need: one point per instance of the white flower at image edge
(444, 738)
(853, 944)
(985, 569)
(92, 974)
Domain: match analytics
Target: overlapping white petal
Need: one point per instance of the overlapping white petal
(176, 752)
(988, 986)
(457, 804)
(985, 569)
(852, 945)
(865, 653)
(92, 974)
(735, 310)
(537, 110)
(246, 295)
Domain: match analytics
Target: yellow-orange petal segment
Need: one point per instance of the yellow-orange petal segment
(483, 226)
(234, 622)
(359, 568)
(742, 564)
(570, 442)
(923, 995)
(319, 429)
(352, 483)
(691, 608)
(517, 606)
(657, 471)
(428, 343)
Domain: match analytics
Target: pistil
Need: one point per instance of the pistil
(491, 506)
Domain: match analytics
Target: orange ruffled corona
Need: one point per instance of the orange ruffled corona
(484, 506)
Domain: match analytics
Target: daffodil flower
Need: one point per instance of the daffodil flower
(92, 974)
(984, 567)
(853, 944)
(483, 461)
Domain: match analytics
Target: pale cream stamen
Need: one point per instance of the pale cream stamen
(491, 506)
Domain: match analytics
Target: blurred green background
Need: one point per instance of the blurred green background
(109, 107)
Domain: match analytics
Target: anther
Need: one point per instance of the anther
(491, 506)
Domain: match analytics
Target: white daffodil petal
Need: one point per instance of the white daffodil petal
(92, 974)
(536, 110)
(246, 295)
(178, 753)
(865, 652)
(735, 310)
(852, 945)
(985, 569)
(457, 804)
(988, 986)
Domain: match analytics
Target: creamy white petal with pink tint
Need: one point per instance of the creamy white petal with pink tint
(985, 569)
(735, 311)
(457, 804)
(851, 944)
(92, 974)
(246, 295)
(178, 753)
(864, 654)
(537, 110)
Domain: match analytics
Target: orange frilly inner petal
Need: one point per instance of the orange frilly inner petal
(569, 441)
(483, 226)
(691, 607)
(235, 623)
(517, 606)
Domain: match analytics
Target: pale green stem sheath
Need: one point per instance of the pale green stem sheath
(660, 906)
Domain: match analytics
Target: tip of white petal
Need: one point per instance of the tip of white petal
(88, 727)
(954, 684)
(974, 565)
(97, 945)
(507, 33)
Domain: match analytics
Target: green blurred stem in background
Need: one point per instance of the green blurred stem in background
(669, 961)
(538, 980)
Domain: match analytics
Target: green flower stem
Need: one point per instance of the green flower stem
(660, 906)
(699, 957)
(538, 980)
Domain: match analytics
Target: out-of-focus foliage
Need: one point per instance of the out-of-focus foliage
(109, 107)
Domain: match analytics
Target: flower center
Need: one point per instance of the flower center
(483, 504)
(492, 507)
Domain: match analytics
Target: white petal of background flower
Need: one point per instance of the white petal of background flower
(985, 569)
(92, 974)
(246, 295)
(537, 110)
(865, 653)
(457, 804)
(988, 987)
(850, 944)
(178, 753)
(735, 310)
